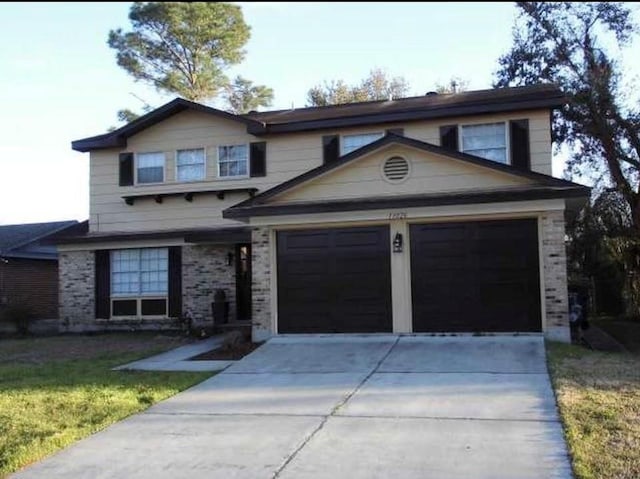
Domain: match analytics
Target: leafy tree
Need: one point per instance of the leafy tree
(243, 96)
(564, 43)
(574, 46)
(377, 86)
(454, 85)
(181, 47)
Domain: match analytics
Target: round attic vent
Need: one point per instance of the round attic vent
(395, 169)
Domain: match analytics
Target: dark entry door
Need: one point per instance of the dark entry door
(243, 281)
(334, 280)
(475, 276)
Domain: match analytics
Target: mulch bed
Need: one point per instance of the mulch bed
(237, 351)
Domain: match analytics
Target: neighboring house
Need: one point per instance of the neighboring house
(428, 214)
(29, 266)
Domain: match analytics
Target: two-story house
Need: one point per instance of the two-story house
(428, 214)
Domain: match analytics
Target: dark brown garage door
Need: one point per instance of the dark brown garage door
(475, 276)
(334, 280)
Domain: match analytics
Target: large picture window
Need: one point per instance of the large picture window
(139, 281)
(353, 142)
(488, 141)
(150, 167)
(190, 164)
(233, 161)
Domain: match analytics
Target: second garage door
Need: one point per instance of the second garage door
(475, 276)
(334, 280)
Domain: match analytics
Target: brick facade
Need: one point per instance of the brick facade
(261, 284)
(30, 282)
(204, 270)
(77, 286)
(554, 260)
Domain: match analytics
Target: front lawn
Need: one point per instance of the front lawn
(599, 399)
(55, 391)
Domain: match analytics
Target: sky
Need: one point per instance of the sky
(59, 80)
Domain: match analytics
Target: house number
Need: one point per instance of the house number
(397, 216)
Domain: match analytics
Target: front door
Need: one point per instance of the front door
(243, 282)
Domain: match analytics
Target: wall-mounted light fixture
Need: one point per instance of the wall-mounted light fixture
(397, 243)
(229, 258)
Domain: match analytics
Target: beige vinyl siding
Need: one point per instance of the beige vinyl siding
(288, 155)
(428, 173)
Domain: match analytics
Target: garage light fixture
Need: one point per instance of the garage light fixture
(397, 243)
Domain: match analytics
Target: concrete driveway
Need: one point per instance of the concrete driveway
(345, 407)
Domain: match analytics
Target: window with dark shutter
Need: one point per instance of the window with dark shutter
(449, 137)
(258, 158)
(520, 154)
(102, 284)
(126, 169)
(330, 148)
(175, 281)
(395, 131)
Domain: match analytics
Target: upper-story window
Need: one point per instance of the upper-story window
(233, 160)
(487, 141)
(190, 164)
(150, 167)
(353, 142)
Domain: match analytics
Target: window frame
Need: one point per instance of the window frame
(164, 168)
(204, 164)
(507, 139)
(234, 177)
(139, 296)
(343, 136)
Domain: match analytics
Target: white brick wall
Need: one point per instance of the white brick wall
(554, 260)
(261, 284)
(77, 286)
(205, 269)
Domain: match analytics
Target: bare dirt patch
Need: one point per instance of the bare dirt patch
(74, 347)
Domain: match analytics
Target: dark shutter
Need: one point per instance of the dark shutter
(258, 158)
(520, 157)
(449, 137)
(395, 131)
(103, 284)
(330, 148)
(175, 281)
(126, 169)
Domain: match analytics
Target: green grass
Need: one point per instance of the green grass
(599, 400)
(55, 391)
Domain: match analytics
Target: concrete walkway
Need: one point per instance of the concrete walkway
(178, 359)
(345, 407)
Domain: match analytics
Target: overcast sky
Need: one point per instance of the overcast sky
(60, 81)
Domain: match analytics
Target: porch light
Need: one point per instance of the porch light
(397, 243)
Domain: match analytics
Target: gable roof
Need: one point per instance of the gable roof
(24, 240)
(545, 186)
(430, 106)
(118, 138)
